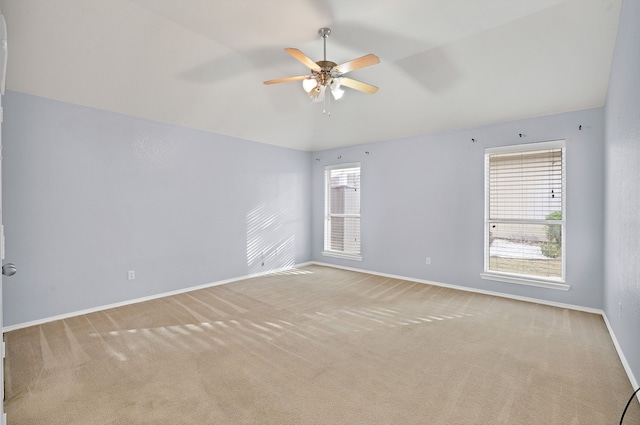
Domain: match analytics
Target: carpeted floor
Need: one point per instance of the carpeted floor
(319, 346)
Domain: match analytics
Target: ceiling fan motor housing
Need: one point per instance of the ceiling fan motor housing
(324, 76)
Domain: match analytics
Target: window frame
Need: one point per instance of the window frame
(539, 281)
(327, 213)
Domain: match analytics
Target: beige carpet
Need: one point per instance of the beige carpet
(319, 346)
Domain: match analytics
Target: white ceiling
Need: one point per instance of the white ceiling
(445, 64)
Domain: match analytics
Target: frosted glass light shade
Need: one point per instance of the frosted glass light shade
(309, 84)
(337, 93)
(317, 94)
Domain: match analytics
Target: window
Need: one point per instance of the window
(525, 214)
(342, 211)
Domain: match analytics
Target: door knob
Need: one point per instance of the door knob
(9, 269)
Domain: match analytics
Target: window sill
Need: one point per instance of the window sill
(526, 281)
(342, 255)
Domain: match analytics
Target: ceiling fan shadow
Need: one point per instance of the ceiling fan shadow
(419, 59)
(432, 69)
(389, 46)
(232, 65)
(241, 28)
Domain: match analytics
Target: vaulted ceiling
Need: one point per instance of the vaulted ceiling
(445, 64)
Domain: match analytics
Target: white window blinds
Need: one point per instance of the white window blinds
(525, 204)
(342, 209)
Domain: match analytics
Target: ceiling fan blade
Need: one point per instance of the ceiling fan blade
(358, 85)
(361, 62)
(303, 58)
(286, 80)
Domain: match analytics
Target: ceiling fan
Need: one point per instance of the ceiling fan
(325, 73)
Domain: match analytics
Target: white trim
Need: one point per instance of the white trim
(468, 289)
(621, 355)
(148, 298)
(343, 165)
(343, 255)
(521, 279)
(524, 281)
(623, 359)
(525, 147)
(327, 211)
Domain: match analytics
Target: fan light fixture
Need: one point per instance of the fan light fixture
(316, 85)
(336, 91)
(309, 84)
(326, 74)
(313, 87)
(317, 93)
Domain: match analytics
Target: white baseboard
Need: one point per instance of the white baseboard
(625, 363)
(621, 355)
(148, 298)
(623, 359)
(468, 289)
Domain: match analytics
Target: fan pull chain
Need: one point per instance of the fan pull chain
(324, 105)
(327, 110)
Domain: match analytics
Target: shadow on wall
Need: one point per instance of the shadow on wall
(271, 230)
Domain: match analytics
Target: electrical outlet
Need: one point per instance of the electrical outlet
(131, 274)
(428, 261)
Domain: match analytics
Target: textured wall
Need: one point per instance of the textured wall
(424, 197)
(622, 216)
(89, 195)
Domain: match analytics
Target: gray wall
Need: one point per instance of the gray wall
(89, 195)
(424, 197)
(622, 185)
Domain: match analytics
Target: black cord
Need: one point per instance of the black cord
(627, 406)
